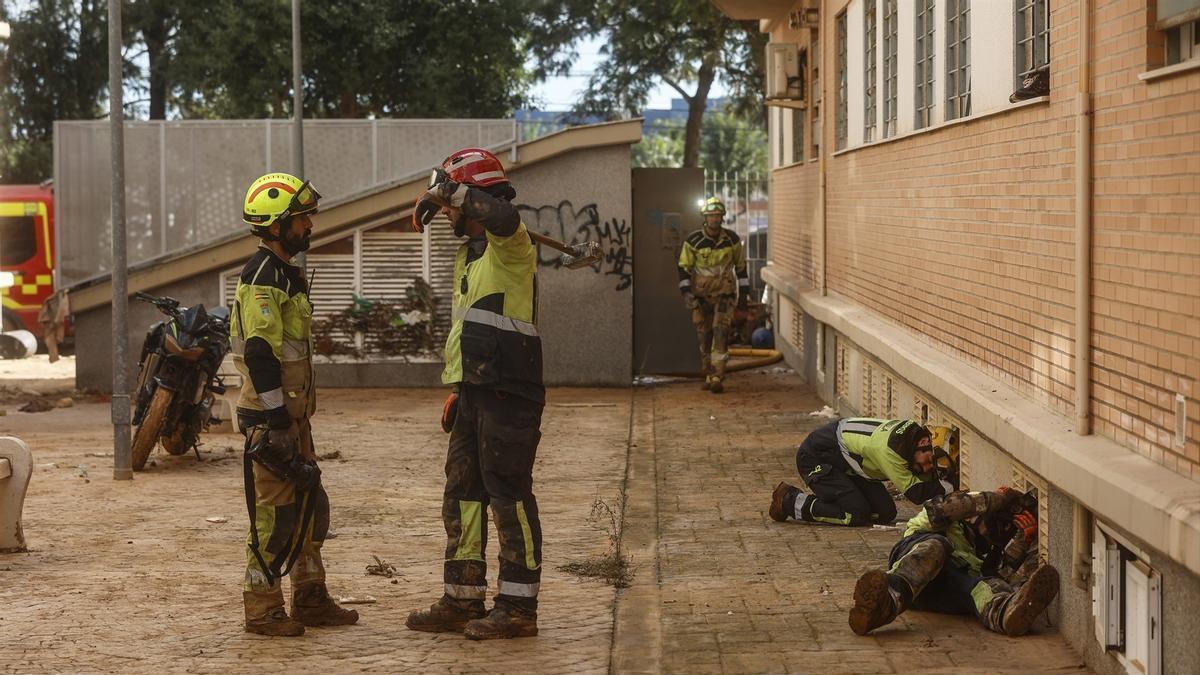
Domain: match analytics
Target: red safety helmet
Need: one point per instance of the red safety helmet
(475, 167)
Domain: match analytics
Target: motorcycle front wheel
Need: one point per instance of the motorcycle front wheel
(146, 436)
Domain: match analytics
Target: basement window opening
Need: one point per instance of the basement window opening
(1126, 603)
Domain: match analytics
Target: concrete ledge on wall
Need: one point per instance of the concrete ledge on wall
(1132, 492)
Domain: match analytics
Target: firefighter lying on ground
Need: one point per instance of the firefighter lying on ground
(963, 553)
(713, 281)
(271, 340)
(845, 462)
(494, 362)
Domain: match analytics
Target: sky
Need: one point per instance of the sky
(560, 93)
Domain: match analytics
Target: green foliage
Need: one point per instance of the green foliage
(676, 42)
(55, 67)
(728, 144)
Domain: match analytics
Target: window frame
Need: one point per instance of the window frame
(891, 66)
(20, 235)
(870, 70)
(924, 59)
(1025, 46)
(842, 93)
(1184, 40)
(958, 60)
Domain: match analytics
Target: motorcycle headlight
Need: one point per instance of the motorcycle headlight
(188, 354)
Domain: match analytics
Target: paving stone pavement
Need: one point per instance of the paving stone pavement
(129, 577)
(740, 593)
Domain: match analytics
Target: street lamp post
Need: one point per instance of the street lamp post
(122, 457)
(297, 105)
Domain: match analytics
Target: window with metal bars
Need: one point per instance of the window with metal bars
(870, 113)
(798, 123)
(924, 28)
(842, 112)
(1033, 37)
(890, 66)
(958, 59)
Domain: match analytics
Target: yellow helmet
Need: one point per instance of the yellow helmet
(276, 196)
(712, 205)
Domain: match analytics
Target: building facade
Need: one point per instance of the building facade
(1021, 265)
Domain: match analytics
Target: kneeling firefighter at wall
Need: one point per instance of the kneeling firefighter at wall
(271, 341)
(494, 414)
(713, 281)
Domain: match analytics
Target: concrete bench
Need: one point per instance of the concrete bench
(16, 465)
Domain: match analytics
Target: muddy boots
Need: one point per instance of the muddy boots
(312, 606)
(878, 600)
(265, 615)
(783, 502)
(1027, 602)
(446, 616)
(502, 622)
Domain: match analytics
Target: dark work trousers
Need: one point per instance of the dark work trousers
(948, 589)
(490, 463)
(838, 497)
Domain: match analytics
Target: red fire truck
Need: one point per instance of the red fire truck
(26, 254)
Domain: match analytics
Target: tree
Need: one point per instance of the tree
(55, 66)
(729, 144)
(675, 42)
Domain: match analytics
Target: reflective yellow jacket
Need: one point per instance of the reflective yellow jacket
(270, 336)
(713, 267)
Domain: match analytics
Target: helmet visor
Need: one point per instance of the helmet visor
(305, 200)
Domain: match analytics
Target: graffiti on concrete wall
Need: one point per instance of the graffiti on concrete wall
(574, 226)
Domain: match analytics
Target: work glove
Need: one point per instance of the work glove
(424, 213)
(449, 411)
(690, 300)
(1026, 522)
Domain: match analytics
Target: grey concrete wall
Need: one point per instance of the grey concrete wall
(586, 315)
(94, 331)
(1180, 600)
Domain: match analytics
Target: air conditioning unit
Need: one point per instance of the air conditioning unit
(783, 71)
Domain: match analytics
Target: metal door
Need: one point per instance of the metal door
(665, 210)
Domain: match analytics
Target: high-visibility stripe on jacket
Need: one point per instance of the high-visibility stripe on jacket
(270, 336)
(713, 267)
(493, 339)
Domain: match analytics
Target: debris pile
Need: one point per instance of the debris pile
(402, 328)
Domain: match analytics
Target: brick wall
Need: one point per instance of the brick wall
(795, 232)
(1146, 253)
(965, 235)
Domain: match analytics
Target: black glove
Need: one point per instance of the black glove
(424, 213)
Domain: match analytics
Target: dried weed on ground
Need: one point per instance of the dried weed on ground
(612, 566)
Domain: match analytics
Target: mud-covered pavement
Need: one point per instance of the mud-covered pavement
(130, 577)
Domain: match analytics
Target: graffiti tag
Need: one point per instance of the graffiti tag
(568, 225)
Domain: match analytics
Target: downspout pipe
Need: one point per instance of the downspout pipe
(1083, 227)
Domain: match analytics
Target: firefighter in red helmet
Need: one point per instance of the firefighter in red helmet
(494, 413)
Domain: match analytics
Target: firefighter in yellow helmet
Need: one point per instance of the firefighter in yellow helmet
(271, 339)
(712, 279)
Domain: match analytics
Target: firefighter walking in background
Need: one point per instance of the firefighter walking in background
(713, 281)
(845, 463)
(963, 553)
(271, 341)
(494, 415)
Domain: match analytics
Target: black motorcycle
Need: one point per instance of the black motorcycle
(177, 377)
